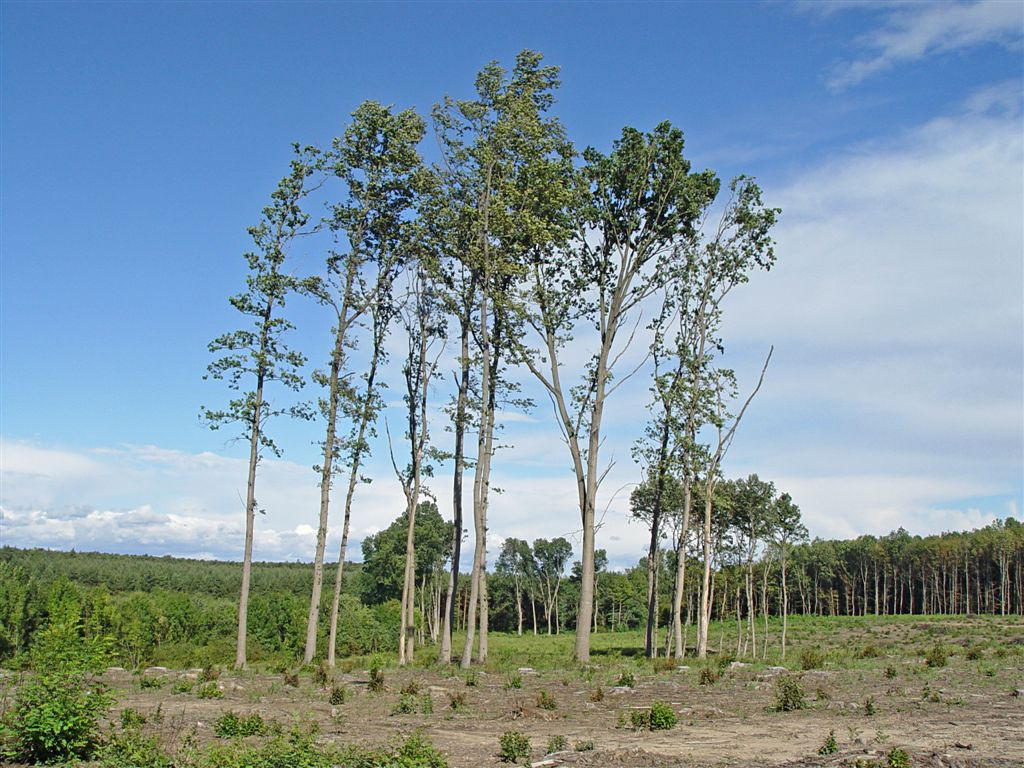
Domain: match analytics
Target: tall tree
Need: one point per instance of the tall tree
(502, 157)
(257, 355)
(424, 328)
(787, 531)
(550, 558)
(377, 162)
(636, 203)
(516, 561)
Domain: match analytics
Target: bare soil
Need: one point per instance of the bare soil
(968, 713)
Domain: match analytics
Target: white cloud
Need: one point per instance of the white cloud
(913, 31)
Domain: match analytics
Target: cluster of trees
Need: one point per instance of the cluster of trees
(182, 612)
(508, 248)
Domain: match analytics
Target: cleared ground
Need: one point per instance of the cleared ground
(868, 684)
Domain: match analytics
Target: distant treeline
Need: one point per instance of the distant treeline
(182, 612)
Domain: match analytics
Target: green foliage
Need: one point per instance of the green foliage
(55, 717)
(513, 746)
(514, 681)
(132, 718)
(456, 700)
(337, 695)
(936, 656)
(412, 687)
(406, 705)
(869, 651)
(183, 686)
(376, 683)
(830, 747)
(545, 700)
(665, 664)
(131, 748)
(426, 704)
(627, 679)
(321, 675)
(974, 653)
(640, 719)
(557, 743)
(812, 658)
(231, 725)
(869, 706)
(384, 553)
(662, 717)
(789, 694)
(471, 679)
(897, 758)
(209, 690)
(708, 675)
(584, 745)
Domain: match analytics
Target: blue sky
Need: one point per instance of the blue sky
(140, 140)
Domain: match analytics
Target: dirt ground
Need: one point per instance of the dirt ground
(968, 713)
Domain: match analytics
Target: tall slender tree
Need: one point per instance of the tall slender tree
(257, 356)
(380, 169)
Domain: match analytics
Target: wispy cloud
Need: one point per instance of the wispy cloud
(913, 31)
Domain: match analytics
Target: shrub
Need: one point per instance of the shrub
(546, 701)
(789, 694)
(830, 747)
(812, 658)
(321, 675)
(869, 651)
(291, 679)
(411, 688)
(724, 660)
(821, 694)
(869, 705)
(209, 673)
(974, 653)
(665, 664)
(936, 656)
(209, 691)
(426, 704)
(557, 744)
(151, 682)
(183, 686)
(132, 718)
(513, 746)
(708, 676)
(55, 716)
(597, 694)
(230, 725)
(337, 695)
(456, 700)
(376, 675)
(132, 749)
(890, 672)
(627, 679)
(897, 758)
(471, 679)
(406, 705)
(515, 680)
(640, 719)
(663, 717)
(584, 746)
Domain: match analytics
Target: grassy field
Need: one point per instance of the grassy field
(858, 692)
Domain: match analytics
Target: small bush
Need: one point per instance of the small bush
(291, 679)
(708, 675)
(515, 680)
(412, 688)
(132, 749)
(471, 679)
(183, 686)
(321, 675)
(584, 746)
(936, 656)
(897, 758)
(406, 705)
(663, 717)
(821, 694)
(597, 694)
(665, 664)
(55, 716)
(132, 718)
(891, 672)
(869, 706)
(337, 695)
(209, 673)
(830, 747)
(789, 694)
(724, 660)
(627, 679)
(812, 658)
(209, 691)
(231, 725)
(376, 676)
(456, 700)
(151, 682)
(869, 651)
(513, 746)
(974, 653)
(546, 701)
(557, 744)
(426, 704)
(640, 719)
